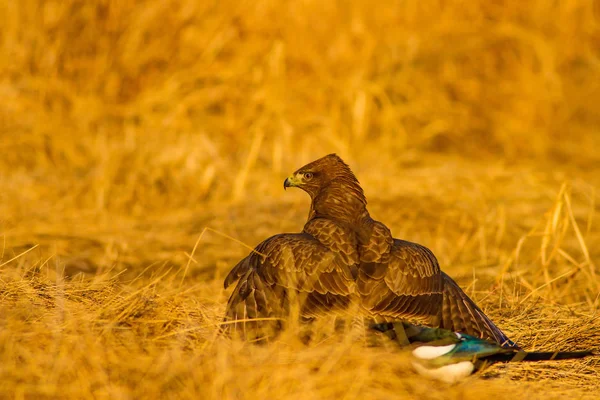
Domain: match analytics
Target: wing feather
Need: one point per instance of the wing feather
(408, 285)
(378, 245)
(282, 265)
(338, 238)
(460, 314)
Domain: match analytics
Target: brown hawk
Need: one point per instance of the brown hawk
(345, 260)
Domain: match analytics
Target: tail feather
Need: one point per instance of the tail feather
(461, 314)
(539, 356)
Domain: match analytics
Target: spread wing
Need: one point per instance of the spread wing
(284, 269)
(461, 314)
(409, 285)
(405, 284)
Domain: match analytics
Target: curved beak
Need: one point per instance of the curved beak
(290, 181)
(287, 183)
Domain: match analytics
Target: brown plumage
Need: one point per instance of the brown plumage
(344, 258)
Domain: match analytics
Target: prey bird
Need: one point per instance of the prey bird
(345, 260)
(451, 356)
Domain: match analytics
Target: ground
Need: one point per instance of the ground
(144, 147)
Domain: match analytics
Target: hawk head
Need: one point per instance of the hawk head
(319, 175)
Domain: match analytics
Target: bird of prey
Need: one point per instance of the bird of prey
(450, 356)
(345, 260)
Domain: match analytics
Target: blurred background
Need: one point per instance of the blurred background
(147, 108)
(188, 101)
(144, 144)
(129, 127)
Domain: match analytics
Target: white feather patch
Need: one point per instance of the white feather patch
(448, 373)
(431, 352)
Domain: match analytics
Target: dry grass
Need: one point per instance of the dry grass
(127, 128)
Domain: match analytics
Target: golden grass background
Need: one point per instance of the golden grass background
(128, 128)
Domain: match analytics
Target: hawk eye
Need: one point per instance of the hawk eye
(308, 176)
